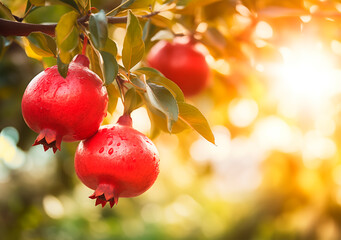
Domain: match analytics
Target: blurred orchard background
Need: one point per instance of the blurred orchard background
(274, 107)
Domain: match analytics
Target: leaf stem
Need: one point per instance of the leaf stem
(85, 43)
(27, 12)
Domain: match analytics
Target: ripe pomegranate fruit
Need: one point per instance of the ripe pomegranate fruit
(68, 109)
(181, 62)
(118, 161)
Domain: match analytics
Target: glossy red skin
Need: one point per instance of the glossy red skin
(69, 109)
(118, 161)
(182, 63)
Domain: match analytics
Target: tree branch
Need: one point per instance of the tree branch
(11, 28)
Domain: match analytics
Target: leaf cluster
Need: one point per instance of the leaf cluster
(83, 29)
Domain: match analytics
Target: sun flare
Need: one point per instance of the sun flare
(306, 80)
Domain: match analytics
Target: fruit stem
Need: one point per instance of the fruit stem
(125, 120)
(85, 43)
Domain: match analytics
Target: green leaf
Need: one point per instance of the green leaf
(161, 21)
(113, 95)
(137, 82)
(94, 57)
(110, 47)
(161, 99)
(65, 57)
(49, 61)
(132, 101)
(62, 68)
(110, 67)
(98, 26)
(133, 45)
(84, 4)
(140, 4)
(42, 44)
(71, 3)
(156, 77)
(195, 119)
(159, 119)
(38, 2)
(67, 33)
(5, 12)
(127, 4)
(146, 29)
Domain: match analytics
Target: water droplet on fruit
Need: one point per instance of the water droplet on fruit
(118, 144)
(101, 150)
(111, 151)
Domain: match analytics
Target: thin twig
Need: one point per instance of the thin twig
(124, 19)
(27, 12)
(110, 12)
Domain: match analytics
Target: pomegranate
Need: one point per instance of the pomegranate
(118, 161)
(68, 109)
(181, 62)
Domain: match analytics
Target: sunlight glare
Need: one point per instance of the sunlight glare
(307, 73)
(306, 81)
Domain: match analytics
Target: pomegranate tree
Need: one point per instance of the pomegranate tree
(118, 161)
(68, 102)
(181, 62)
(68, 109)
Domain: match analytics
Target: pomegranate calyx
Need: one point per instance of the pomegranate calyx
(105, 193)
(125, 120)
(49, 139)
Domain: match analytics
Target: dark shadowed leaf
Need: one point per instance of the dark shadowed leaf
(160, 98)
(194, 118)
(67, 32)
(62, 68)
(133, 45)
(98, 26)
(71, 3)
(110, 67)
(42, 44)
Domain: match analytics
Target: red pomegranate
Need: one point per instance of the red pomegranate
(118, 161)
(68, 109)
(181, 62)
